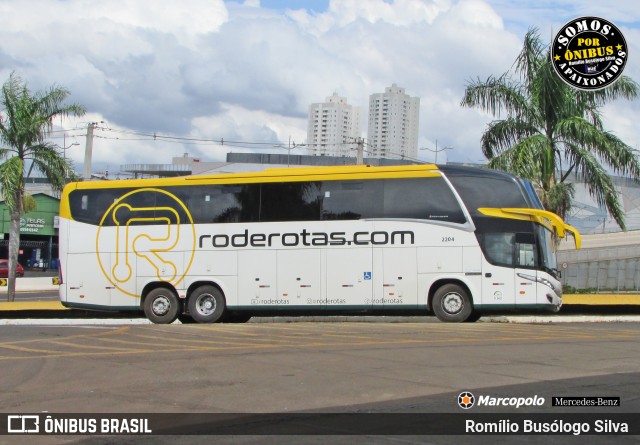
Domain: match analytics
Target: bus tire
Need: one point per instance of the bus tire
(162, 306)
(451, 303)
(207, 304)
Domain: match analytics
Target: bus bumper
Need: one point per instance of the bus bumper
(554, 300)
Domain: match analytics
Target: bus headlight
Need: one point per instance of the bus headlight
(542, 280)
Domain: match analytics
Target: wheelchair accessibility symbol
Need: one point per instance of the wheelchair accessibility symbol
(367, 275)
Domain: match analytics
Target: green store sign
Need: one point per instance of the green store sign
(43, 221)
(32, 225)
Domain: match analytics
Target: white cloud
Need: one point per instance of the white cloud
(184, 19)
(239, 124)
(235, 70)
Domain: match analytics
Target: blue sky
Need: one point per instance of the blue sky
(247, 70)
(311, 5)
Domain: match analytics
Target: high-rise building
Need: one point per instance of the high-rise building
(393, 124)
(333, 127)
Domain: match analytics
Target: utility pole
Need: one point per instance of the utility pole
(86, 174)
(436, 151)
(360, 158)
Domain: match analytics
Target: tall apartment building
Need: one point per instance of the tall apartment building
(393, 124)
(333, 127)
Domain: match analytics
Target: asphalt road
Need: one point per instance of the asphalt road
(311, 367)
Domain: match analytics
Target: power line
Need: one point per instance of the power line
(155, 136)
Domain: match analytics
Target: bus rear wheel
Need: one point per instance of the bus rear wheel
(207, 304)
(451, 303)
(162, 306)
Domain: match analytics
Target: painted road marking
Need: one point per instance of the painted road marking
(155, 339)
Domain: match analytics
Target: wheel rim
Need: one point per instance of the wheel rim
(206, 304)
(452, 303)
(161, 305)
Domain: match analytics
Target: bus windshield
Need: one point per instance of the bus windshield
(547, 250)
(518, 249)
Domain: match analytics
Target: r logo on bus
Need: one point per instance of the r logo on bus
(148, 229)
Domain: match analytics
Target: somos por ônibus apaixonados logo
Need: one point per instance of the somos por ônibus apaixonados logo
(145, 232)
(589, 53)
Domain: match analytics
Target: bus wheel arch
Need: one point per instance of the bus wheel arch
(206, 302)
(451, 301)
(161, 304)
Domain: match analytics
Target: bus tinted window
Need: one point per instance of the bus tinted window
(414, 198)
(224, 203)
(89, 206)
(510, 249)
(498, 248)
(293, 201)
(478, 191)
(421, 198)
(352, 199)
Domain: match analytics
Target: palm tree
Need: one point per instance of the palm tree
(551, 130)
(26, 120)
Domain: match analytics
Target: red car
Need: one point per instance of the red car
(4, 269)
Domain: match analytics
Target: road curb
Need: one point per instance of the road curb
(571, 313)
(576, 305)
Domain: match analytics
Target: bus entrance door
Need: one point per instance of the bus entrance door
(498, 286)
(498, 283)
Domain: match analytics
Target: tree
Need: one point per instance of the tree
(552, 130)
(26, 120)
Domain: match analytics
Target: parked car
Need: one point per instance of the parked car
(4, 269)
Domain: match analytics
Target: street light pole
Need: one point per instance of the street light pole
(436, 151)
(64, 147)
(290, 147)
(360, 155)
(64, 153)
(88, 151)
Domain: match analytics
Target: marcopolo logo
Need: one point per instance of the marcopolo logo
(466, 400)
(150, 230)
(589, 53)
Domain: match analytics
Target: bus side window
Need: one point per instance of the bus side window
(499, 247)
(344, 200)
(294, 201)
(90, 206)
(421, 198)
(227, 204)
(404, 198)
(212, 203)
(525, 250)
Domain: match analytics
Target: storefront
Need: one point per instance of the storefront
(38, 234)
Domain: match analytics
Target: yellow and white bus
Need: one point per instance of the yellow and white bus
(454, 241)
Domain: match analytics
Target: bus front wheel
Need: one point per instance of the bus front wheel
(451, 303)
(207, 304)
(162, 306)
